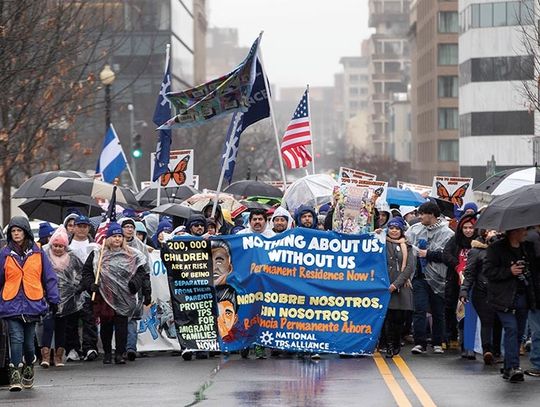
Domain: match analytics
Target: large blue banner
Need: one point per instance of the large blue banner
(302, 290)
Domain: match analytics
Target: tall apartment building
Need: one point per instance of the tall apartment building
(388, 66)
(494, 67)
(355, 86)
(434, 89)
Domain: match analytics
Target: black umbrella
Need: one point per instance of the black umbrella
(172, 209)
(509, 180)
(32, 187)
(255, 205)
(446, 207)
(253, 188)
(516, 209)
(171, 194)
(56, 209)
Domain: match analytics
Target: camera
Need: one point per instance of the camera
(526, 272)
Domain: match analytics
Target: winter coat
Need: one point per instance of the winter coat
(21, 305)
(474, 277)
(146, 287)
(534, 237)
(502, 284)
(436, 236)
(402, 298)
(452, 249)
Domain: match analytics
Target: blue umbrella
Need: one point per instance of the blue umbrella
(405, 197)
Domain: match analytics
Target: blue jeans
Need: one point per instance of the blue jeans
(534, 324)
(513, 323)
(425, 300)
(21, 336)
(133, 326)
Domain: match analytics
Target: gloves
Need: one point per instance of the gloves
(53, 308)
(94, 288)
(132, 287)
(147, 300)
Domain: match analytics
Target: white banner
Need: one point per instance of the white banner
(423, 190)
(156, 329)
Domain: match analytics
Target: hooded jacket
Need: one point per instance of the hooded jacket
(474, 276)
(455, 244)
(281, 211)
(304, 209)
(196, 219)
(436, 236)
(12, 259)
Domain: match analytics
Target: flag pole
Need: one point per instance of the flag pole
(312, 139)
(267, 85)
(167, 56)
(220, 182)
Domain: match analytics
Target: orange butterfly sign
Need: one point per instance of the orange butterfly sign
(178, 174)
(456, 198)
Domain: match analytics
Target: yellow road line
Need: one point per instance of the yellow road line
(391, 383)
(415, 385)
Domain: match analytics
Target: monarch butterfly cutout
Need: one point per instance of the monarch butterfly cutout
(456, 198)
(178, 174)
(377, 194)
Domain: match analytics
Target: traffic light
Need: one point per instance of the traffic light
(136, 151)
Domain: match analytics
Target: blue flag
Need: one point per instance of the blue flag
(162, 113)
(258, 108)
(111, 161)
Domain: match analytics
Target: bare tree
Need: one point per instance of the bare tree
(50, 51)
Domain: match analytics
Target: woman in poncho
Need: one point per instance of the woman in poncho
(68, 269)
(120, 278)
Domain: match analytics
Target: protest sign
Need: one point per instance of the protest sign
(423, 190)
(179, 171)
(354, 213)
(349, 175)
(457, 190)
(302, 290)
(189, 271)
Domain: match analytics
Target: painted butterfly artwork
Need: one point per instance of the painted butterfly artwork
(377, 194)
(178, 174)
(456, 198)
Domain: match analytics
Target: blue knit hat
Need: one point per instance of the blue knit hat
(45, 230)
(114, 229)
(396, 222)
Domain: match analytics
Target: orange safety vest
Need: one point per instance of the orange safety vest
(29, 275)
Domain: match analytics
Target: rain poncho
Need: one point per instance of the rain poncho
(281, 211)
(69, 280)
(118, 268)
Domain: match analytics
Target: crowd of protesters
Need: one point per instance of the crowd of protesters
(66, 282)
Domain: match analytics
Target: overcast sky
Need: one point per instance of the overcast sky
(303, 40)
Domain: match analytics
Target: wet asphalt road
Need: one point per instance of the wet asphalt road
(161, 379)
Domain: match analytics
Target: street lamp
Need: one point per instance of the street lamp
(106, 76)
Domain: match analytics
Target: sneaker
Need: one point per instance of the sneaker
(533, 372)
(259, 352)
(315, 356)
(91, 355)
(244, 353)
(438, 349)
(107, 358)
(131, 355)
(28, 377)
(418, 350)
(187, 355)
(453, 345)
(119, 360)
(73, 356)
(470, 355)
(389, 352)
(15, 377)
(201, 355)
(515, 375)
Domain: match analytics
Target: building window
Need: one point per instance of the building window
(448, 150)
(448, 118)
(486, 15)
(518, 68)
(447, 54)
(354, 78)
(475, 15)
(512, 123)
(448, 22)
(499, 14)
(353, 92)
(448, 86)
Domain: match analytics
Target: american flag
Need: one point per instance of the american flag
(297, 137)
(109, 217)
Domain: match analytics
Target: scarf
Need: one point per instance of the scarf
(405, 253)
(59, 263)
